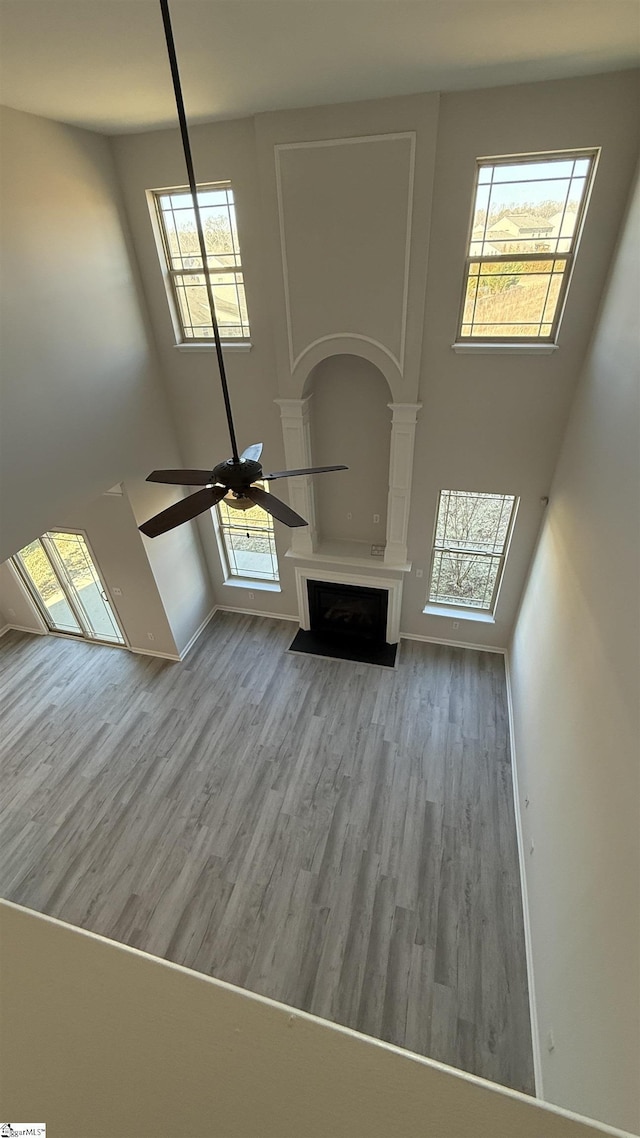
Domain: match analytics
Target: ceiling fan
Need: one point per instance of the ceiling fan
(237, 475)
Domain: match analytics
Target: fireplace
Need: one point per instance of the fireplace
(346, 622)
(348, 611)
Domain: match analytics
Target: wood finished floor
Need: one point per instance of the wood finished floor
(334, 835)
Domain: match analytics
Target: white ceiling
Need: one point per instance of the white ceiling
(102, 63)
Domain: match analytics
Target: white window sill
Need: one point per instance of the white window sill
(459, 614)
(248, 583)
(227, 345)
(505, 349)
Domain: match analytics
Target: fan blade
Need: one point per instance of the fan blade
(183, 511)
(274, 506)
(296, 473)
(181, 477)
(252, 453)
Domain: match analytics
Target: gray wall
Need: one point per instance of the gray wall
(350, 383)
(575, 675)
(82, 407)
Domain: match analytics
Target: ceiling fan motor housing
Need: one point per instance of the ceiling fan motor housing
(237, 476)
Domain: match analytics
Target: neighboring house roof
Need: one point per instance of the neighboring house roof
(499, 235)
(524, 221)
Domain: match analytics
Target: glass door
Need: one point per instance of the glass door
(64, 581)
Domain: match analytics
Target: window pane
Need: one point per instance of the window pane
(248, 539)
(528, 206)
(534, 171)
(251, 553)
(255, 517)
(470, 541)
(229, 299)
(38, 567)
(463, 579)
(507, 295)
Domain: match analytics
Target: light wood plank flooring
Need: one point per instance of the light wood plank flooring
(334, 835)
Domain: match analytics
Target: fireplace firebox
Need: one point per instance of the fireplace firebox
(348, 610)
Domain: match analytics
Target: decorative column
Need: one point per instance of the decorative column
(296, 433)
(403, 430)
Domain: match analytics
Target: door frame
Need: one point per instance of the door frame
(54, 557)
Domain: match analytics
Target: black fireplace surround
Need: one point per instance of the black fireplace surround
(348, 622)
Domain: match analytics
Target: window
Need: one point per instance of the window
(184, 264)
(247, 541)
(526, 222)
(469, 551)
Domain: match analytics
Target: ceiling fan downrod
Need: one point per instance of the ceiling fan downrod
(186, 146)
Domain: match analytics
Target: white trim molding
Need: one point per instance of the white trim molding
(403, 432)
(511, 349)
(296, 434)
(345, 336)
(257, 612)
(199, 630)
(453, 643)
(528, 940)
(393, 136)
(148, 652)
(393, 587)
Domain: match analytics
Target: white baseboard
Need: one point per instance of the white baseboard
(198, 631)
(452, 643)
(257, 612)
(158, 655)
(23, 628)
(528, 942)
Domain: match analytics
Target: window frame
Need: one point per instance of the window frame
(221, 527)
(459, 607)
(591, 153)
(170, 274)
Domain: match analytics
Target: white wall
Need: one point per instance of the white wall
(575, 676)
(489, 423)
(82, 406)
(102, 1039)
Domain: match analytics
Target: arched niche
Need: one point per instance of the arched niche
(341, 345)
(350, 423)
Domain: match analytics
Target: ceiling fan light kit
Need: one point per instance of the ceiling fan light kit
(235, 478)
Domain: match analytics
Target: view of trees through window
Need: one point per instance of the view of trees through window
(182, 249)
(526, 221)
(472, 532)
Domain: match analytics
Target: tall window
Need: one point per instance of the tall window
(472, 536)
(184, 264)
(527, 217)
(247, 541)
